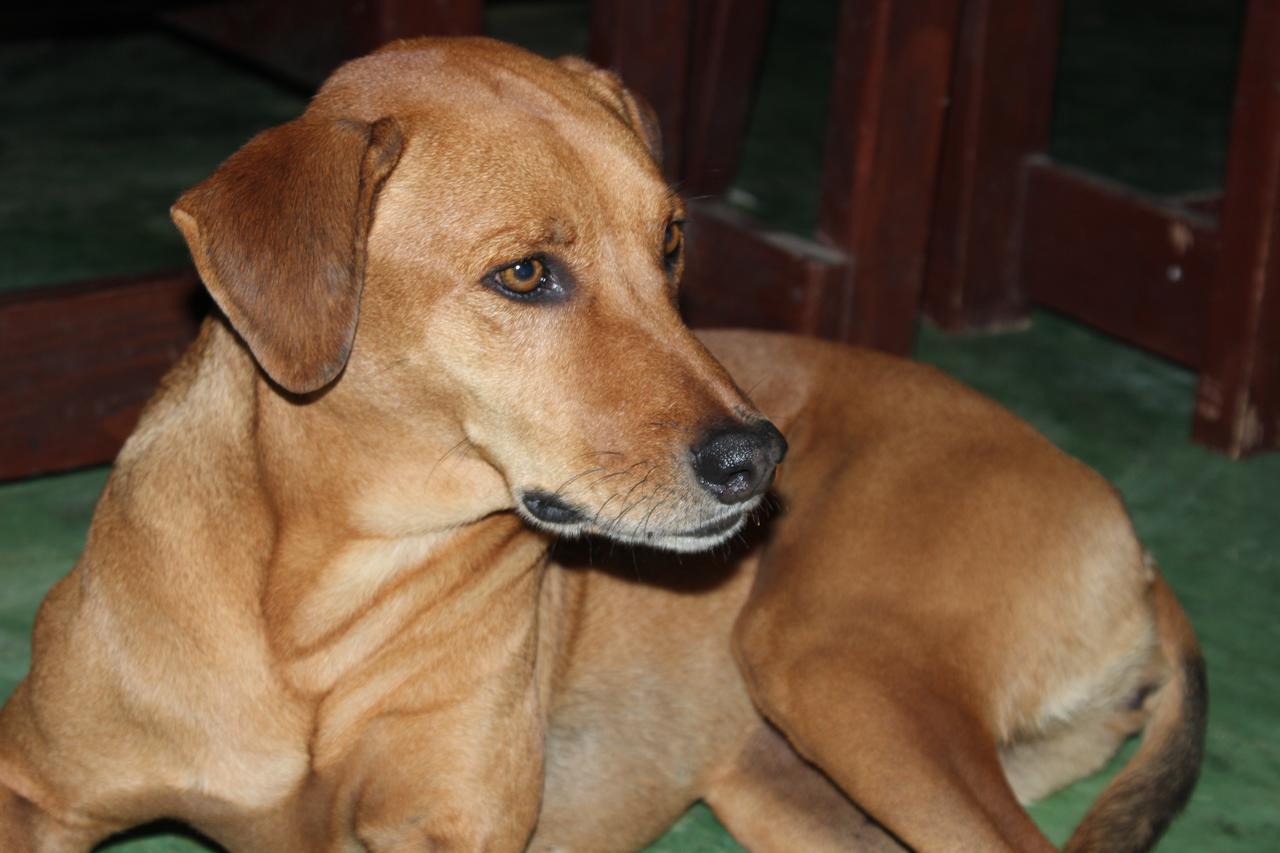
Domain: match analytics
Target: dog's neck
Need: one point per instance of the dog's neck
(351, 545)
(385, 529)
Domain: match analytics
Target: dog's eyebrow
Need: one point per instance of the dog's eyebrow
(549, 232)
(560, 232)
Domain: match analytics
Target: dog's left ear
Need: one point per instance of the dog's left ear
(279, 234)
(634, 109)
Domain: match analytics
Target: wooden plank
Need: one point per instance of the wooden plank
(647, 45)
(728, 40)
(1238, 398)
(739, 274)
(884, 131)
(1123, 262)
(78, 361)
(1001, 101)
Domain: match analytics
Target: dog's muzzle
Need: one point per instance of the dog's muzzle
(737, 463)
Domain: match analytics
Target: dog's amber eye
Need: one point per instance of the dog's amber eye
(672, 242)
(523, 276)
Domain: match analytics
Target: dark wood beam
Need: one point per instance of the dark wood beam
(884, 130)
(1001, 101)
(742, 275)
(78, 361)
(1238, 398)
(727, 50)
(1126, 263)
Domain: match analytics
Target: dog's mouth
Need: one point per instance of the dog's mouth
(556, 515)
(719, 527)
(551, 509)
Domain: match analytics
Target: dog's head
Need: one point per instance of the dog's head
(477, 244)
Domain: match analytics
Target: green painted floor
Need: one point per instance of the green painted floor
(96, 142)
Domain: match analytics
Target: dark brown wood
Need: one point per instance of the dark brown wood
(304, 40)
(648, 44)
(1125, 263)
(893, 65)
(386, 20)
(739, 274)
(1208, 202)
(1238, 399)
(1001, 99)
(728, 46)
(78, 361)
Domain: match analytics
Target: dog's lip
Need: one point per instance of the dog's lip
(551, 509)
(713, 528)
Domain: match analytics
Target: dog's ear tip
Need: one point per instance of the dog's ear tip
(182, 217)
(301, 384)
(634, 108)
(302, 381)
(574, 62)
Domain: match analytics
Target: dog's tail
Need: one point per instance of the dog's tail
(1156, 783)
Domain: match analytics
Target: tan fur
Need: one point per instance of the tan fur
(308, 617)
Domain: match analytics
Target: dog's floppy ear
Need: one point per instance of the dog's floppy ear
(628, 104)
(279, 236)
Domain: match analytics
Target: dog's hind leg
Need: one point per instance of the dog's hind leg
(771, 800)
(888, 736)
(1038, 766)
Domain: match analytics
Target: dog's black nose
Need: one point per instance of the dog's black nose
(736, 464)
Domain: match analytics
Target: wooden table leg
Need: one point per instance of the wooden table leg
(1238, 399)
(893, 68)
(1000, 111)
(728, 49)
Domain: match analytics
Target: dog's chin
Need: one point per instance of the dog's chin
(561, 519)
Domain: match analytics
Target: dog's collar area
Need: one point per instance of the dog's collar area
(549, 508)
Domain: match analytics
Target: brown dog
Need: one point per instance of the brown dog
(309, 615)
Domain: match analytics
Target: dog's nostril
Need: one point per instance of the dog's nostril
(777, 443)
(549, 508)
(736, 464)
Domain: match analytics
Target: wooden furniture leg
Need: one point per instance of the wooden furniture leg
(884, 132)
(1001, 104)
(1238, 399)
